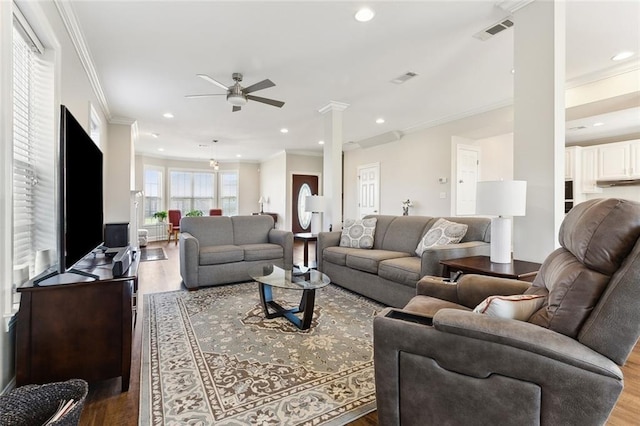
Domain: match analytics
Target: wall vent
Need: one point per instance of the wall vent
(404, 77)
(494, 29)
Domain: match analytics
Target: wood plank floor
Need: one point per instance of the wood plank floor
(106, 405)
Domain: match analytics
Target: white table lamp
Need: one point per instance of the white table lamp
(502, 199)
(261, 201)
(315, 205)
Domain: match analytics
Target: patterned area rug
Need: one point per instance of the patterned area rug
(211, 358)
(149, 254)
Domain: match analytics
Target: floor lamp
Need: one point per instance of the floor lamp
(315, 205)
(504, 198)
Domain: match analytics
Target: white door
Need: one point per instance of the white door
(369, 189)
(466, 179)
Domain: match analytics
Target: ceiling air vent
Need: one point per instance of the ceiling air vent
(494, 29)
(404, 77)
(574, 129)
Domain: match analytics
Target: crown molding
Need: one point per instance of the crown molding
(512, 5)
(123, 120)
(65, 9)
(333, 106)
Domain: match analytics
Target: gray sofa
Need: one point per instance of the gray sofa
(390, 270)
(219, 249)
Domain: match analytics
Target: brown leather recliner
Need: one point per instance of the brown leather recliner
(439, 363)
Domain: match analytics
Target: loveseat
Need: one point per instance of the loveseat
(389, 271)
(220, 249)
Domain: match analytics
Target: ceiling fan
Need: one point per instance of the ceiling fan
(237, 95)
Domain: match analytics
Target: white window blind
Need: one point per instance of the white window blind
(152, 193)
(34, 222)
(192, 191)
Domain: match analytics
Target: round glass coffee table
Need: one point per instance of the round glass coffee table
(298, 278)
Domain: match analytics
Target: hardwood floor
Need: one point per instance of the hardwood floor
(106, 405)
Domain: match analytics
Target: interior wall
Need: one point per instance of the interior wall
(117, 167)
(410, 168)
(248, 188)
(496, 157)
(273, 184)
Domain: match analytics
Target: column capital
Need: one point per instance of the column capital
(333, 106)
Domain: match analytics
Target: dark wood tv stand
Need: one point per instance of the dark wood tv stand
(77, 330)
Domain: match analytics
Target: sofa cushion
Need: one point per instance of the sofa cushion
(519, 306)
(251, 229)
(368, 260)
(201, 227)
(262, 251)
(441, 233)
(358, 233)
(336, 255)
(403, 270)
(216, 255)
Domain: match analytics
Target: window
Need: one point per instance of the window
(192, 191)
(152, 193)
(33, 148)
(228, 201)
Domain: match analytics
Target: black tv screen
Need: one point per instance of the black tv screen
(81, 205)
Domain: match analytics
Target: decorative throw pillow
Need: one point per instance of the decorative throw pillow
(358, 233)
(442, 232)
(519, 307)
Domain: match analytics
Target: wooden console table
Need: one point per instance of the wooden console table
(77, 330)
(517, 269)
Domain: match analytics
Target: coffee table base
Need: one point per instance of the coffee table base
(273, 309)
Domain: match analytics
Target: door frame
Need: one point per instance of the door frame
(377, 195)
(456, 142)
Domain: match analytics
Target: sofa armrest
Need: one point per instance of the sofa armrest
(284, 239)
(326, 239)
(189, 259)
(431, 257)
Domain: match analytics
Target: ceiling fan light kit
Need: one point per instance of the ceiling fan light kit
(237, 95)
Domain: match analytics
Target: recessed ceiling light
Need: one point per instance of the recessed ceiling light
(622, 55)
(155, 135)
(364, 15)
(320, 142)
(167, 115)
(380, 120)
(283, 130)
(161, 149)
(598, 124)
(238, 155)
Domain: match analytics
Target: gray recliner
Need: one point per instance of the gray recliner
(439, 363)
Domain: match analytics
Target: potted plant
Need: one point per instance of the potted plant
(161, 215)
(194, 213)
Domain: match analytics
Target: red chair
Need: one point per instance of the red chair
(174, 224)
(215, 212)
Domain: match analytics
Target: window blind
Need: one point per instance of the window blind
(34, 223)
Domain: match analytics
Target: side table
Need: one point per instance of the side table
(517, 269)
(306, 237)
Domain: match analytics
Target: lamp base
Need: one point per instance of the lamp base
(316, 223)
(501, 240)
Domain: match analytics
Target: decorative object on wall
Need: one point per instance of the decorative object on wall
(503, 199)
(405, 207)
(261, 201)
(315, 205)
(213, 162)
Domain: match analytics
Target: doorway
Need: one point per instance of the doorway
(302, 186)
(467, 173)
(369, 189)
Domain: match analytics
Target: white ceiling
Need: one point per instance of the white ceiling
(147, 54)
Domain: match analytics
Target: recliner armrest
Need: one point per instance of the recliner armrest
(525, 336)
(473, 289)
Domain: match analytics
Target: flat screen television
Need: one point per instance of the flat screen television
(80, 200)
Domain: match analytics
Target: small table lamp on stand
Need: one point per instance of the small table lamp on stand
(315, 205)
(261, 201)
(503, 199)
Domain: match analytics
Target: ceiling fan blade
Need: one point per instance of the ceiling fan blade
(259, 86)
(212, 81)
(208, 95)
(273, 102)
(236, 109)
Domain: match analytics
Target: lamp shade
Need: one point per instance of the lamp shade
(314, 204)
(502, 198)
(262, 200)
